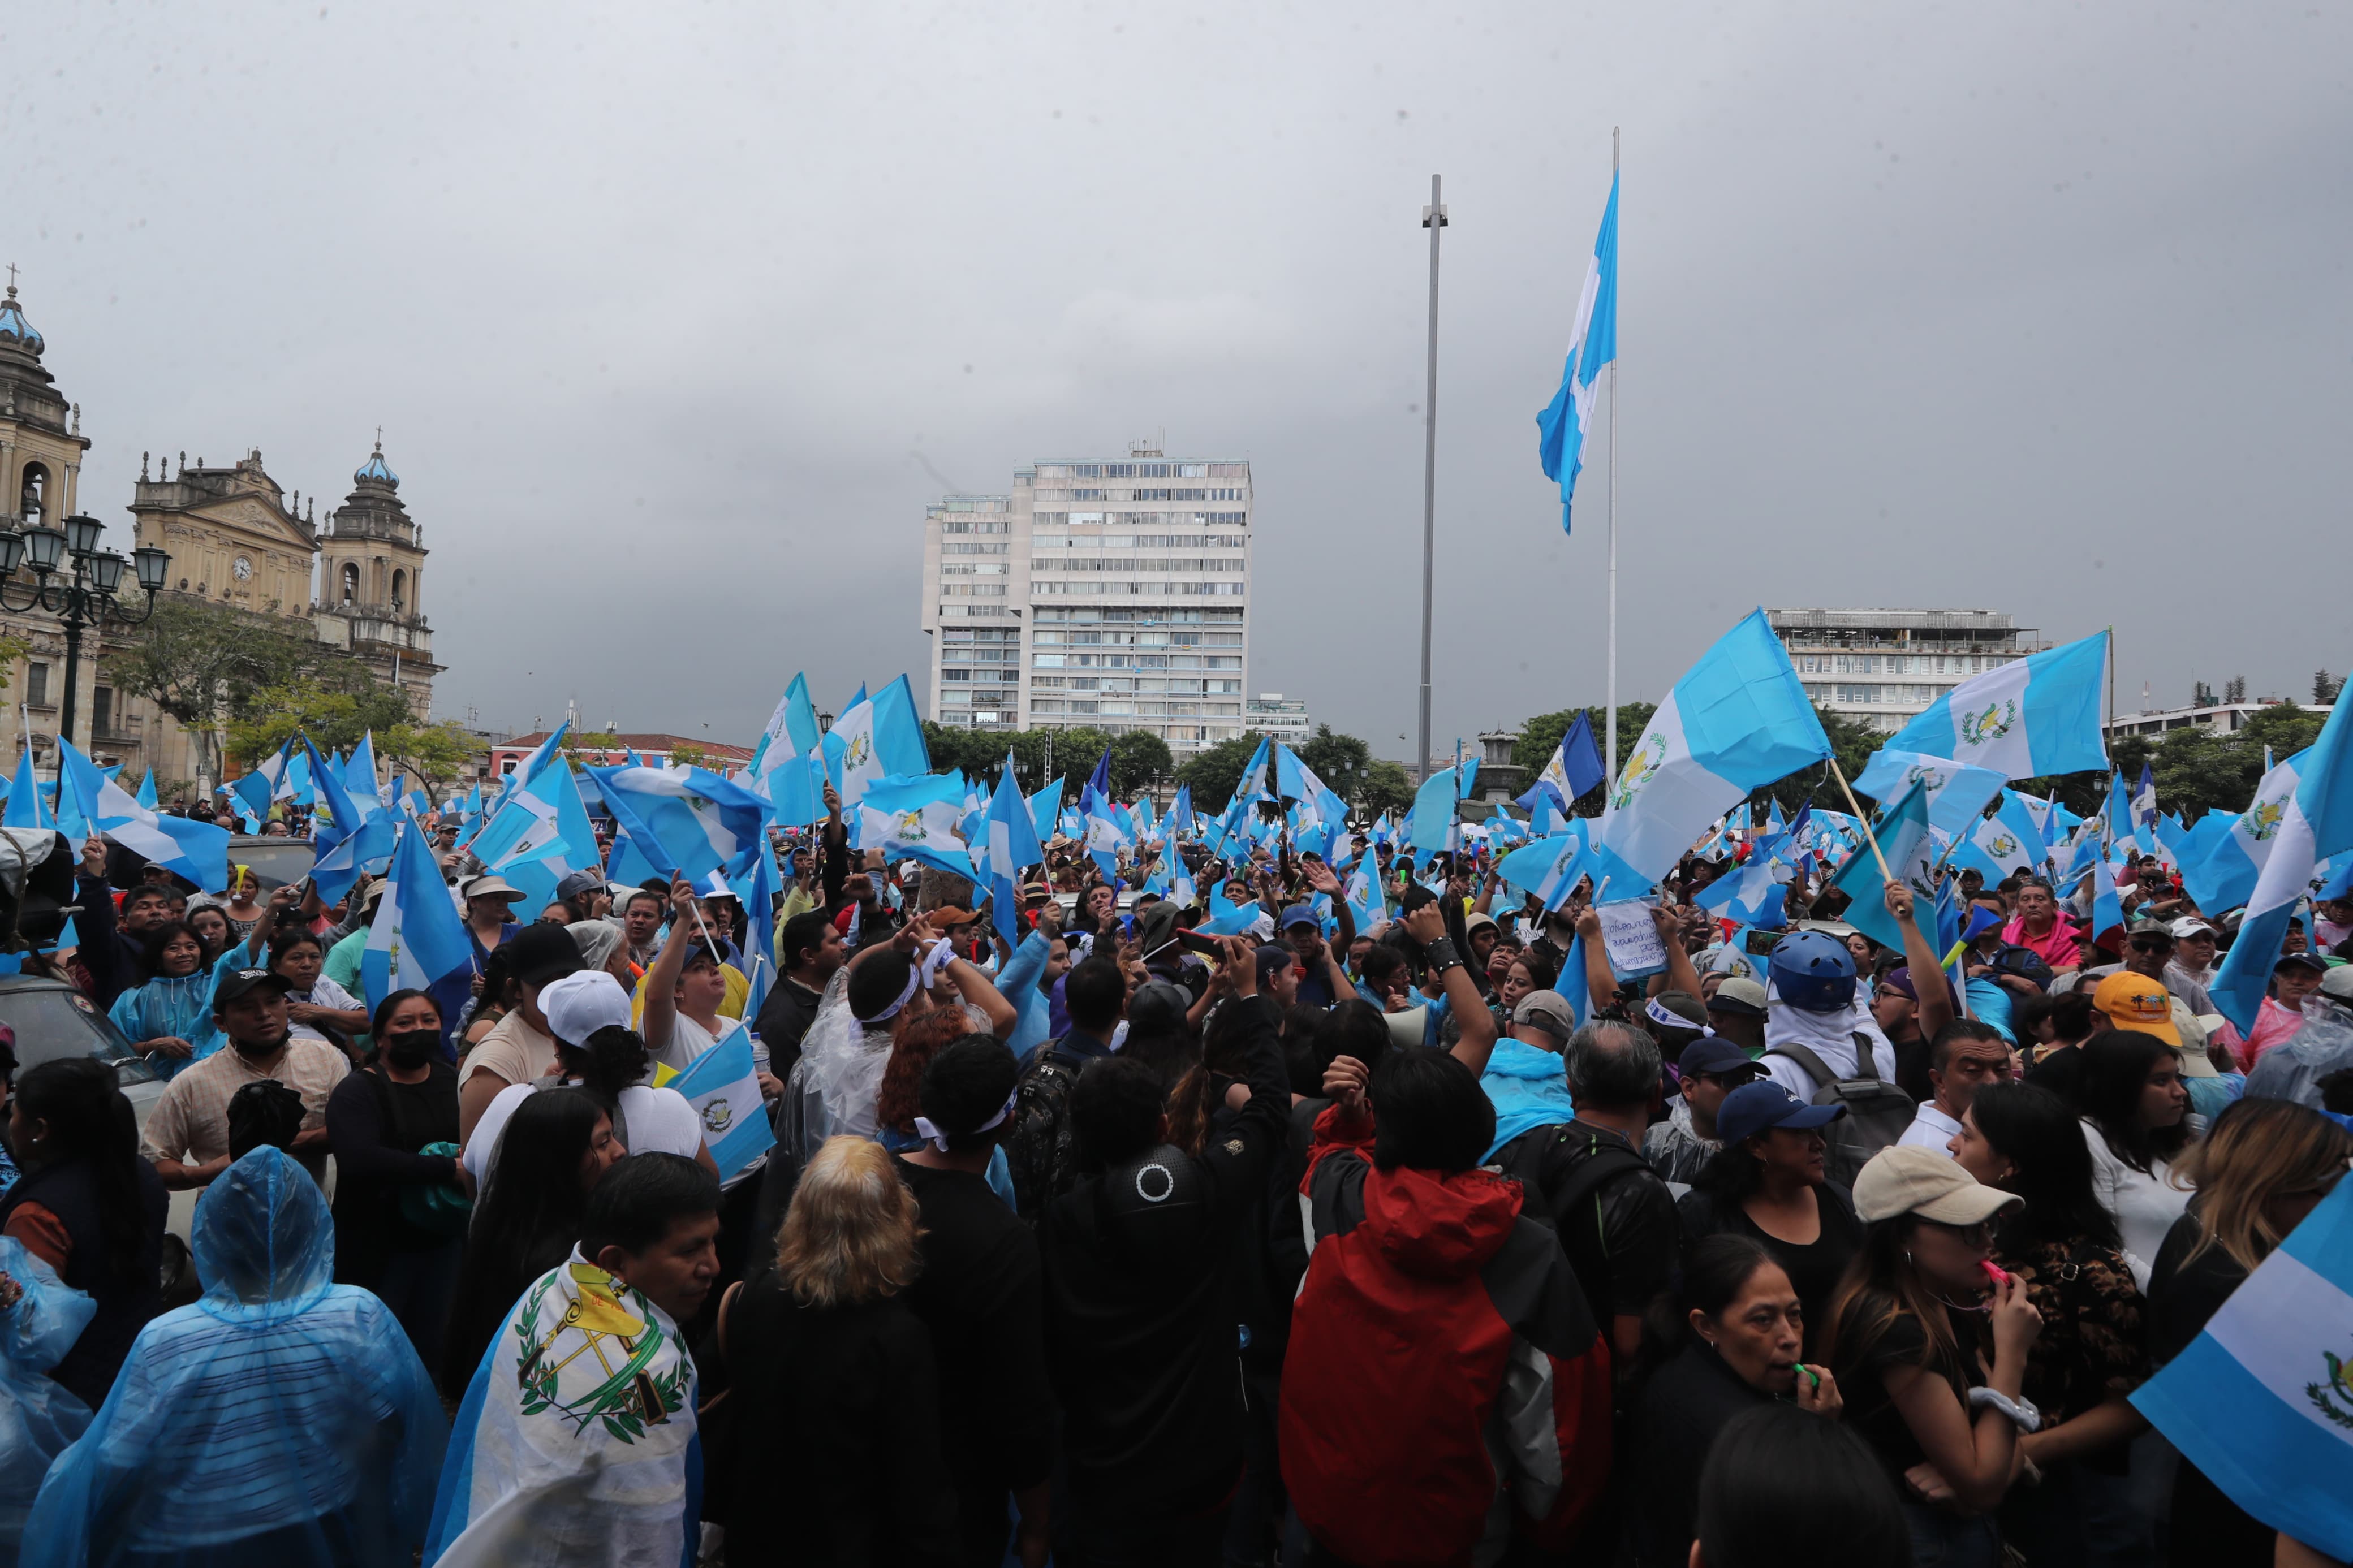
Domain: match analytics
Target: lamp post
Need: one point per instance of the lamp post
(81, 595)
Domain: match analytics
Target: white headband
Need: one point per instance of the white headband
(922, 973)
(1665, 1019)
(925, 1128)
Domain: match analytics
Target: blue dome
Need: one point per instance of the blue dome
(376, 469)
(14, 325)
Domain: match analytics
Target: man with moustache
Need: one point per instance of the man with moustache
(186, 1136)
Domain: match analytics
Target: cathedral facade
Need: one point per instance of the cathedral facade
(235, 537)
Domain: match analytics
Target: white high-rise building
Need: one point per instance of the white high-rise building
(1106, 595)
(1884, 667)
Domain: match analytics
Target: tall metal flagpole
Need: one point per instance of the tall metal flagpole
(1433, 218)
(1609, 775)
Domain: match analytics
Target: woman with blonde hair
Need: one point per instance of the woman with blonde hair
(2266, 1165)
(836, 1457)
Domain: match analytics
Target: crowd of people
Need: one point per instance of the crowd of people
(1108, 1239)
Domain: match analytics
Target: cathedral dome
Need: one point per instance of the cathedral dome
(375, 468)
(14, 325)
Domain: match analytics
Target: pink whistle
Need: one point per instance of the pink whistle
(1994, 1274)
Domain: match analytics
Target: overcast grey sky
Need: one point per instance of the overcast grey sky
(671, 315)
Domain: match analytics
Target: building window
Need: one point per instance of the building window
(101, 710)
(351, 583)
(32, 501)
(37, 685)
(399, 589)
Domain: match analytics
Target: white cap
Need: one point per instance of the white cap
(2189, 926)
(579, 1005)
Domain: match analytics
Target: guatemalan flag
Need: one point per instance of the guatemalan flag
(2315, 824)
(1958, 793)
(1738, 721)
(416, 938)
(197, 850)
(2262, 1400)
(1012, 846)
(1592, 343)
(2027, 719)
(686, 822)
(919, 818)
(1550, 868)
(723, 1087)
(1755, 894)
(2224, 875)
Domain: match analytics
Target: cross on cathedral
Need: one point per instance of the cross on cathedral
(12, 278)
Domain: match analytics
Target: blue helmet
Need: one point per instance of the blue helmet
(1813, 971)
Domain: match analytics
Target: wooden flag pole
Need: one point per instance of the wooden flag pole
(1869, 836)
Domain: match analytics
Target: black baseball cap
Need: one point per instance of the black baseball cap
(1715, 1055)
(238, 981)
(539, 953)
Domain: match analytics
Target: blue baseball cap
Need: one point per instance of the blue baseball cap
(1300, 915)
(1754, 1107)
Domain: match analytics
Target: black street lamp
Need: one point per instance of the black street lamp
(86, 598)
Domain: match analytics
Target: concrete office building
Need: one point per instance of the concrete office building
(1884, 667)
(1106, 595)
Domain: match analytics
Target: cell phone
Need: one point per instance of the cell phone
(1194, 941)
(1760, 943)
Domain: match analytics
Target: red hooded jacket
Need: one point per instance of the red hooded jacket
(1445, 1380)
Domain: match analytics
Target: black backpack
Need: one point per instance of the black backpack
(1877, 1111)
(1522, 1159)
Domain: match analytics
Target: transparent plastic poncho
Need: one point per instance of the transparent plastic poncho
(281, 1420)
(38, 1418)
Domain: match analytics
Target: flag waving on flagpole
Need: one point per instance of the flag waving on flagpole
(1565, 422)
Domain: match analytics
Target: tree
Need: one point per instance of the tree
(1540, 737)
(1138, 759)
(1342, 762)
(2325, 686)
(2201, 695)
(689, 755)
(2235, 688)
(205, 663)
(1213, 772)
(1852, 743)
(1386, 788)
(336, 713)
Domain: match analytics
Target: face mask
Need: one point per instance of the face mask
(411, 1047)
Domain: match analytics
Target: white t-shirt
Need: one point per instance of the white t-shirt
(1930, 1129)
(2144, 1204)
(660, 1122)
(689, 1040)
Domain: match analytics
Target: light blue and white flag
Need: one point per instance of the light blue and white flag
(2027, 719)
(1431, 825)
(1564, 424)
(1551, 868)
(686, 822)
(26, 806)
(531, 766)
(2316, 823)
(2261, 1401)
(1738, 721)
(1232, 922)
(1958, 793)
(1574, 767)
(417, 938)
(266, 783)
(2144, 803)
(524, 829)
(1013, 844)
(918, 818)
(146, 795)
(356, 836)
(1754, 893)
(2226, 862)
(197, 850)
(1361, 889)
(1911, 853)
(723, 1087)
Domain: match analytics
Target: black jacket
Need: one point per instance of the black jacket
(1142, 1327)
(1677, 1413)
(837, 1458)
(69, 1191)
(117, 960)
(375, 1159)
(784, 1022)
(1615, 1217)
(980, 1294)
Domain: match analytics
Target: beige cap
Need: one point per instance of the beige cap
(1548, 1011)
(1926, 1181)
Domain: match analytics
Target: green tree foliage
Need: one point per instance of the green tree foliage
(205, 664)
(1541, 735)
(1387, 787)
(1342, 762)
(1212, 773)
(336, 713)
(1852, 743)
(2326, 687)
(2195, 771)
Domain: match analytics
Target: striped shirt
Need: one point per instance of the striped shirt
(190, 1123)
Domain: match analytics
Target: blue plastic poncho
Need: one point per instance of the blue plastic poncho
(38, 1418)
(1529, 1086)
(281, 1420)
(179, 1008)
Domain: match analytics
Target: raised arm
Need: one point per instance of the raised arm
(1679, 975)
(661, 980)
(1935, 1003)
(1601, 980)
(1426, 925)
